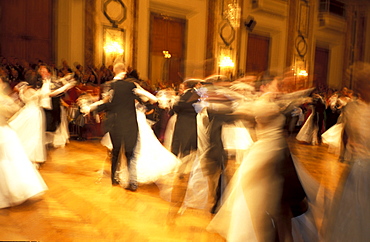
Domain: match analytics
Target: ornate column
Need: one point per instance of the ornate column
(90, 28)
(297, 61)
(135, 11)
(211, 63)
(228, 32)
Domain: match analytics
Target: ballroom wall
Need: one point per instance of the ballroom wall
(70, 31)
(277, 19)
(70, 35)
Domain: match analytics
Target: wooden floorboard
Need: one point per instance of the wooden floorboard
(79, 206)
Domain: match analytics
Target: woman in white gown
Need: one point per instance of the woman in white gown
(349, 217)
(333, 136)
(29, 123)
(224, 133)
(265, 192)
(153, 160)
(308, 131)
(19, 179)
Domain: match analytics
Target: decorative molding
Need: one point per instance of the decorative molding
(230, 10)
(227, 32)
(329, 21)
(178, 10)
(303, 18)
(277, 8)
(115, 11)
(301, 46)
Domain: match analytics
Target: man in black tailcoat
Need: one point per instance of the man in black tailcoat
(121, 122)
(119, 104)
(185, 133)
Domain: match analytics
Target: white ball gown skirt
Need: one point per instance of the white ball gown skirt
(29, 124)
(153, 160)
(169, 132)
(308, 132)
(236, 139)
(61, 136)
(333, 138)
(236, 136)
(19, 179)
(349, 216)
(245, 192)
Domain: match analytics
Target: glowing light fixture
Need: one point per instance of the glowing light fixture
(226, 62)
(302, 73)
(114, 48)
(166, 54)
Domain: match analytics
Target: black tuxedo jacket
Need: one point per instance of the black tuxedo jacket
(121, 112)
(185, 133)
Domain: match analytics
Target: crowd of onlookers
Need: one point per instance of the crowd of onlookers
(16, 70)
(91, 78)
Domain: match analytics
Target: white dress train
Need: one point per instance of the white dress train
(153, 160)
(19, 179)
(61, 136)
(333, 138)
(29, 124)
(349, 215)
(253, 196)
(308, 131)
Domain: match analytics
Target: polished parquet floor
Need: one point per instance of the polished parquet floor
(79, 206)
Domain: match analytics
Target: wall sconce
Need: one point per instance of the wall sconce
(113, 48)
(226, 62)
(113, 44)
(166, 54)
(226, 66)
(302, 73)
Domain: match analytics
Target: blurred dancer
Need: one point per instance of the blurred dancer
(53, 89)
(184, 143)
(185, 133)
(166, 99)
(19, 180)
(333, 136)
(218, 134)
(154, 163)
(332, 112)
(349, 217)
(311, 130)
(29, 123)
(220, 116)
(265, 192)
(121, 123)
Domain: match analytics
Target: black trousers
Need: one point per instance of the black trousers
(53, 117)
(216, 161)
(119, 144)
